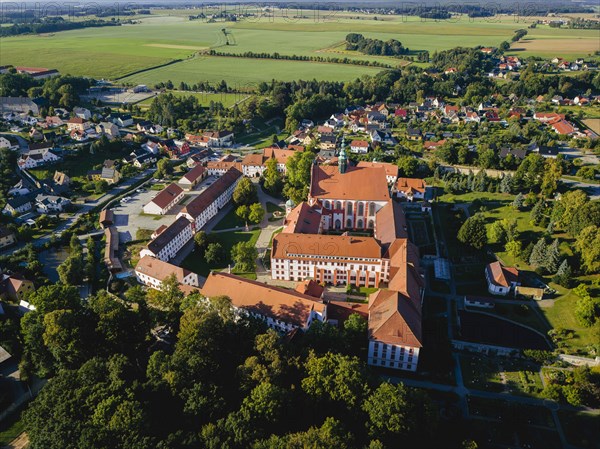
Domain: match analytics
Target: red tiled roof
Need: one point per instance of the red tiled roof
(502, 275)
(208, 196)
(166, 195)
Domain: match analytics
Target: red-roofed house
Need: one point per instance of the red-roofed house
(165, 200)
(501, 280)
(410, 188)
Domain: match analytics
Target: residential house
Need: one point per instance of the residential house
(327, 142)
(359, 146)
(144, 160)
(123, 120)
(82, 113)
(77, 124)
(165, 200)
(7, 237)
(54, 121)
(15, 287)
(148, 127)
(19, 105)
(35, 134)
(5, 143)
(61, 179)
(219, 138)
(517, 153)
(500, 279)
(36, 158)
(18, 205)
(110, 130)
(412, 189)
(413, 134)
(50, 204)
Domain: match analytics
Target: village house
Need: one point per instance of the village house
(7, 237)
(327, 142)
(359, 146)
(122, 120)
(111, 250)
(219, 138)
(164, 201)
(192, 178)
(110, 130)
(412, 189)
(152, 272)
(78, 124)
(15, 287)
(500, 279)
(170, 240)
(282, 310)
(36, 158)
(51, 204)
(206, 205)
(53, 121)
(18, 205)
(82, 113)
(5, 143)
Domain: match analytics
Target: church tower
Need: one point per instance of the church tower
(343, 157)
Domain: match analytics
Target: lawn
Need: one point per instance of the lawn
(272, 207)
(195, 262)
(204, 99)
(229, 221)
(581, 429)
(560, 314)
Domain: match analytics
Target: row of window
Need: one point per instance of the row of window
(349, 207)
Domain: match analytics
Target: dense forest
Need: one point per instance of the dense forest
(227, 381)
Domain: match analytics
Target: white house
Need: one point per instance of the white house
(5, 143)
(412, 189)
(50, 204)
(36, 158)
(193, 177)
(500, 279)
(359, 146)
(206, 205)
(164, 201)
(170, 240)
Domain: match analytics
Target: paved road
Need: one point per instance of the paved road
(593, 190)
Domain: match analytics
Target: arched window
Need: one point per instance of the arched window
(338, 224)
(359, 224)
(326, 204)
(338, 205)
(348, 223)
(361, 209)
(371, 224)
(349, 208)
(371, 208)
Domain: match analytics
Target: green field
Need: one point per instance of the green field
(112, 52)
(204, 99)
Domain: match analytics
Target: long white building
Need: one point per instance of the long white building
(171, 240)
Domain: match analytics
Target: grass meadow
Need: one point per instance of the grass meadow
(114, 52)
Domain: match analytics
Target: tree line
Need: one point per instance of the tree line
(392, 47)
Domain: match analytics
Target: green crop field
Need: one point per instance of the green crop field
(113, 52)
(204, 99)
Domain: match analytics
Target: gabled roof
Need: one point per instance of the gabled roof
(390, 223)
(168, 234)
(164, 198)
(212, 192)
(303, 219)
(411, 184)
(194, 174)
(394, 320)
(358, 183)
(276, 302)
(501, 275)
(160, 270)
(306, 246)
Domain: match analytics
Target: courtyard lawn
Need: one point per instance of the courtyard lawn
(229, 221)
(272, 207)
(195, 262)
(581, 429)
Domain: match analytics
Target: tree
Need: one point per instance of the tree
(298, 172)
(394, 412)
(498, 233)
(563, 274)
(537, 259)
(588, 246)
(163, 168)
(408, 166)
(587, 215)
(70, 272)
(63, 336)
(256, 213)
(564, 209)
(214, 253)
(243, 212)
(587, 309)
(552, 172)
(537, 212)
(201, 240)
(513, 248)
(519, 201)
(244, 256)
(473, 232)
(245, 193)
(336, 377)
(552, 257)
(273, 182)
(169, 297)
(506, 184)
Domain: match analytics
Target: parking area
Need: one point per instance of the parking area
(129, 217)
